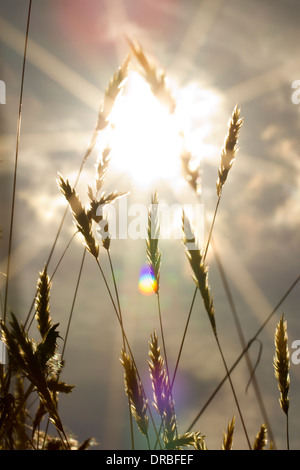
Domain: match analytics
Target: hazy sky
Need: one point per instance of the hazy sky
(215, 53)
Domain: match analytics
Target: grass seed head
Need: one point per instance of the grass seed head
(282, 363)
(228, 436)
(134, 391)
(111, 93)
(158, 375)
(152, 248)
(82, 220)
(42, 308)
(155, 77)
(230, 148)
(261, 440)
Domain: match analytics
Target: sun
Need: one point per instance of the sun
(146, 140)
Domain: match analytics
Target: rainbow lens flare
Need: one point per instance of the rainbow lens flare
(147, 281)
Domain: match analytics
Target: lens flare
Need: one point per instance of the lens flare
(147, 281)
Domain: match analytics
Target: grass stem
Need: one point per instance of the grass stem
(241, 355)
(16, 164)
(123, 338)
(234, 392)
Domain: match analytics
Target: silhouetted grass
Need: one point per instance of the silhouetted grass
(34, 369)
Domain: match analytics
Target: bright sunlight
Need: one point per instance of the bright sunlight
(147, 140)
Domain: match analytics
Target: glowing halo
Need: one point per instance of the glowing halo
(147, 141)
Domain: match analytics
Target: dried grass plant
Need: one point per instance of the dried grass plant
(35, 366)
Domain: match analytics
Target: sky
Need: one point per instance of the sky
(214, 54)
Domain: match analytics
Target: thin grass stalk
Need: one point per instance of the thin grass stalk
(124, 342)
(51, 278)
(48, 262)
(200, 276)
(83, 222)
(250, 342)
(227, 159)
(62, 256)
(287, 432)
(228, 155)
(30, 442)
(73, 304)
(211, 228)
(165, 354)
(111, 94)
(1, 304)
(183, 337)
(196, 289)
(45, 434)
(194, 295)
(154, 260)
(162, 333)
(242, 339)
(125, 338)
(16, 162)
(233, 391)
(117, 295)
(101, 170)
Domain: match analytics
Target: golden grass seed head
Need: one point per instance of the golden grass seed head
(155, 77)
(282, 363)
(230, 148)
(157, 374)
(42, 308)
(81, 218)
(152, 248)
(228, 436)
(111, 93)
(134, 391)
(261, 440)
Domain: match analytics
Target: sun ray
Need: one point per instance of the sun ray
(51, 66)
(117, 21)
(265, 82)
(245, 283)
(195, 36)
(147, 140)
